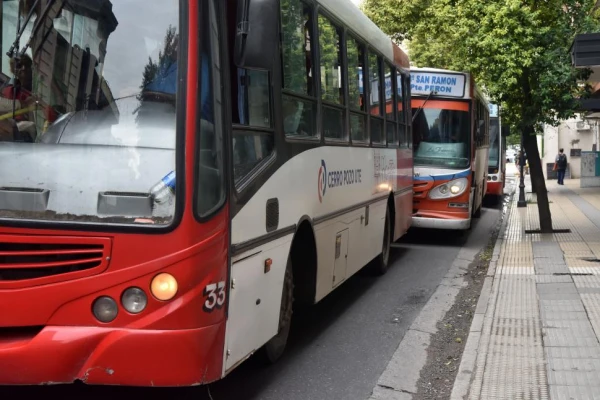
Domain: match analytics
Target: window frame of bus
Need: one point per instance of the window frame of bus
(408, 108)
(218, 116)
(239, 129)
(380, 117)
(360, 112)
(481, 114)
(401, 118)
(391, 119)
(487, 124)
(254, 131)
(345, 34)
(314, 101)
(323, 104)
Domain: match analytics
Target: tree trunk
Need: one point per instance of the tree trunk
(534, 189)
(537, 178)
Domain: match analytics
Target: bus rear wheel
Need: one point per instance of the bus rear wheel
(274, 348)
(382, 262)
(477, 212)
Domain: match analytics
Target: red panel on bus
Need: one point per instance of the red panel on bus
(441, 104)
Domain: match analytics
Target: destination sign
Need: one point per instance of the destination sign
(443, 84)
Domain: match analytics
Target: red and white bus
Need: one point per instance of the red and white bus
(174, 179)
(496, 178)
(451, 142)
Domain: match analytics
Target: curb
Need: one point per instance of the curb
(466, 370)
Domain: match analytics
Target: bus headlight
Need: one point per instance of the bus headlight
(105, 309)
(134, 300)
(448, 190)
(456, 189)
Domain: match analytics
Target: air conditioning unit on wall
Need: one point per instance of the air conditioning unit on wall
(583, 126)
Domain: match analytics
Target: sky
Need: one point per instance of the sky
(357, 2)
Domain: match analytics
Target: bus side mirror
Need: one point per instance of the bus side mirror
(257, 34)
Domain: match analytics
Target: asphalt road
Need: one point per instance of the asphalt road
(338, 348)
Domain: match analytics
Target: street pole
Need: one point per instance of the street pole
(522, 202)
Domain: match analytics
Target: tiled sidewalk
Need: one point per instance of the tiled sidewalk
(539, 338)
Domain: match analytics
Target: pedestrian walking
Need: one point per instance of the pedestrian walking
(560, 166)
(521, 158)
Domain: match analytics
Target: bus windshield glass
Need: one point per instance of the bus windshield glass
(494, 143)
(88, 110)
(441, 135)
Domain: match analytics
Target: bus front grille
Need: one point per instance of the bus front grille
(36, 260)
(420, 189)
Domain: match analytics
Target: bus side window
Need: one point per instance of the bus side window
(355, 66)
(477, 122)
(210, 189)
(253, 98)
(402, 131)
(332, 89)
(299, 100)
(408, 113)
(391, 107)
(482, 124)
(376, 96)
(251, 107)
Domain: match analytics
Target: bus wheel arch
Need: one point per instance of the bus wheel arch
(392, 215)
(303, 257)
(381, 263)
(275, 347)
(299, 286)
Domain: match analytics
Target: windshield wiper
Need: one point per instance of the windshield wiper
(423, 105)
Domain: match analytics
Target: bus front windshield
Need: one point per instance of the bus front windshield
(88, 110)
(494, 143)
(441, 135)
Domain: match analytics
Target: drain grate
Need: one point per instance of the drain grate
(537, 231)
(590, 259)
(572, 274)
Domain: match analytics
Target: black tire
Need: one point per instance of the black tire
(274, 348)
(382, 262)
(477, 213)
(499, 200)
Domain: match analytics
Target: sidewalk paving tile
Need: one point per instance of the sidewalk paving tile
(550, 278)
(572, 393)
(540, 330)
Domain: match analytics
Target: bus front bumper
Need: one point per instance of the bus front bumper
(111, 356)
(439, 223)
(495, 188)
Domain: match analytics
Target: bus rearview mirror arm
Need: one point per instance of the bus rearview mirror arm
(257, 34)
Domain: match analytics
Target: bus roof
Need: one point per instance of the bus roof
(362, 26)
